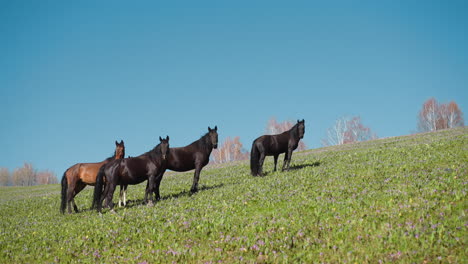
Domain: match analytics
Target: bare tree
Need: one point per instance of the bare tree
(4, 177)
(336, 133)
(454, 115)
(347, 130)
(24, 176)
(434, 116)
(357, 132)
(230, 150)
(428, 115)
(274, 127)
(46, 177)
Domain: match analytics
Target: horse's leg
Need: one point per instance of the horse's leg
(158, 182)
(196, 177)
(151, 188)
(260, 161)
(72, 185)
(146, 191)
(78, 188)
(125, 195)
(110, 195)
(290, 157)
(120, 195)
(276, 160)
(287, 159)
(104, 194)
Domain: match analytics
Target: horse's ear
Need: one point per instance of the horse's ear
(216, 128)
(116, 143)
(209, 129)
(121, 142)
(303, 120)
(160, 139)
(167, 138)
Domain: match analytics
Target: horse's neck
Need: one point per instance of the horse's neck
(203, 145)
(294, 133)
(108, 160)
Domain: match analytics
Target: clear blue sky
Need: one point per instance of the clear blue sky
(78, 75)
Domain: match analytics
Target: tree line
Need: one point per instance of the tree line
(26, 176)
(432, 116)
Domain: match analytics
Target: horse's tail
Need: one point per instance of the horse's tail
(254, 159)
(98, 189)
(63, 204)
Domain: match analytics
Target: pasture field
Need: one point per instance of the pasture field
(401, 199)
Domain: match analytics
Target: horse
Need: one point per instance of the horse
(148, 166)
(274, 145)
(76, 177)
(194, 156)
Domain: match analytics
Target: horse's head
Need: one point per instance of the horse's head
(301, 128)
(119, 150)
(164, 146)
(213, 136)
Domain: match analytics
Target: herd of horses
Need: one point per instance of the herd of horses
(106, 175)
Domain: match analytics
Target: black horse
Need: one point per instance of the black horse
(194, 156)
(274, 145)
(148, 166)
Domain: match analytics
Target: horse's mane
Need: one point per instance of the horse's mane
(111, 157)
(295, 128)
(154, 152)
(294, 131)
(203, 142)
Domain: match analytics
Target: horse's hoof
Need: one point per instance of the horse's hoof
(150, 204)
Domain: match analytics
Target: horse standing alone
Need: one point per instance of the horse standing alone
(79, 175)
(194, 156)
(274, 145)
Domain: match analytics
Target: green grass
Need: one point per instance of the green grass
(401, 199)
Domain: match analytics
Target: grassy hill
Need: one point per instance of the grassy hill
(400, 199)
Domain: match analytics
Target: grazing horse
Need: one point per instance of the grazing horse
(194, 156)
(273, 145)
(148, 166)
(79, 175)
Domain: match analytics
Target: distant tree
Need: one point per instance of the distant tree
(274, 127)
(230, 150)
(24, 176)
(434, 116)
(428, 116)
(450, 116)
(4, 177)
(347, 130)
(46, 177)
(336, 133)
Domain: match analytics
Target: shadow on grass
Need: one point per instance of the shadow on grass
(292, 168)
(189, 193)
(139, 202)
(301, 166)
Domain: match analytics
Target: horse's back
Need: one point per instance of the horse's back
(181, 159)
(132, 170)
(272, 144)
(88, 171)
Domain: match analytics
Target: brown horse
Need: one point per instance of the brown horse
(79, 175)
